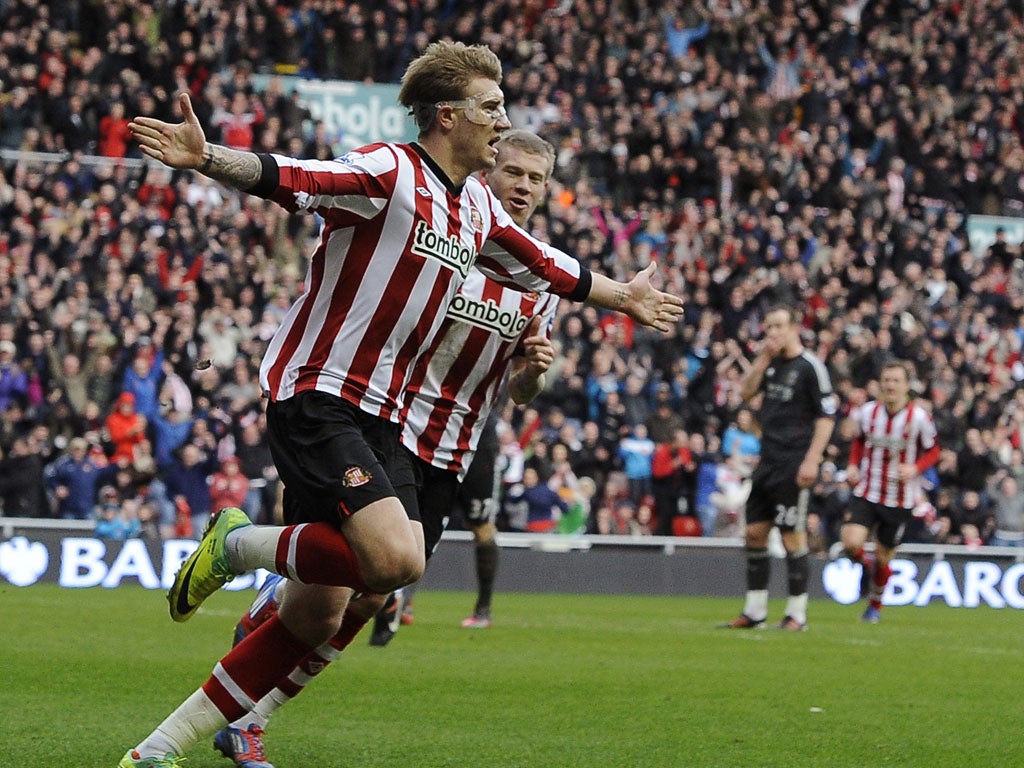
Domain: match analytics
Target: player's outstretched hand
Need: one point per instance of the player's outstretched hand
(649, 306)
(179, 146)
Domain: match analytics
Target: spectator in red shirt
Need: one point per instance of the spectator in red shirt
(113, 141)
(237, 123)
(125, 427)
(670, 464)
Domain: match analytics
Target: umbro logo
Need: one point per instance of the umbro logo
(423, 191)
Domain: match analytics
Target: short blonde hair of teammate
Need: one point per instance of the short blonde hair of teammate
(443, 73)
(530, 142)
(897, 363)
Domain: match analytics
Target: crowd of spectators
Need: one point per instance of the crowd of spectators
(826, 154)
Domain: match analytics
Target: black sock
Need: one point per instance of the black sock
(798, 567)
(759, 568)
(486, 568)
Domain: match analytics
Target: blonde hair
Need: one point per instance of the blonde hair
(528, 142)
(443, 73)
(894, 362)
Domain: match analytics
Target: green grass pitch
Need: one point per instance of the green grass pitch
(558, 682)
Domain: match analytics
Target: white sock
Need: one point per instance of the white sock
(263, 711)
(796, 607)
(252, 547)
(756, 607)
(195, 719)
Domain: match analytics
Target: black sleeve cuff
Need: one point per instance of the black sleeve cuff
(582, 289)
(269, 177)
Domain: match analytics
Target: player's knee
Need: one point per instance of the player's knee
(851, 545)
(314, 623)
(367, 605)
(755, 539)
(484, 534)
(401, 566)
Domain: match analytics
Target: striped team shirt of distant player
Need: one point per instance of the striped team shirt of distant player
(455, 385)
(884, 441)
(396, 244)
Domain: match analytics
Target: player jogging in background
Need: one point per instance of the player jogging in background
(797, 416)
(895, 443)
(492, 339)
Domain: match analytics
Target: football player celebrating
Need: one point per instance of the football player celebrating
(403, 225)
(489, 331)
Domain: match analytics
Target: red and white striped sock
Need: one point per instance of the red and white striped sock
(312, 665)
(878, 582)
(312, 553)
(253, 667)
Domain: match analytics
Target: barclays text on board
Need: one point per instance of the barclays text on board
(980, 582)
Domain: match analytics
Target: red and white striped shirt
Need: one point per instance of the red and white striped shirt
(397, 242)
(883, 442)
(455, 385)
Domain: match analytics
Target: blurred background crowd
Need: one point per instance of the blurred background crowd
(826, 154)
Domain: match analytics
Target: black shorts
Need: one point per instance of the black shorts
(335, 459)
(478, 494)
(890, 523)
(776, 498)
(437, 489)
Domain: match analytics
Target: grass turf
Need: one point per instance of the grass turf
(558, 682)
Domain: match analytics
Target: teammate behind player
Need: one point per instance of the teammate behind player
(519, 180)
(797, 416)
(895, 443)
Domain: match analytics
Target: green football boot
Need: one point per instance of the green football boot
(206, 570)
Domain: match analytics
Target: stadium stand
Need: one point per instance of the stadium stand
(828, 154)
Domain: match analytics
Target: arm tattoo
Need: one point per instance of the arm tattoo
(619, 298)
(240, 170)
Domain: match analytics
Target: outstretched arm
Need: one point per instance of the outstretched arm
(184, 145)
(637, 298)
